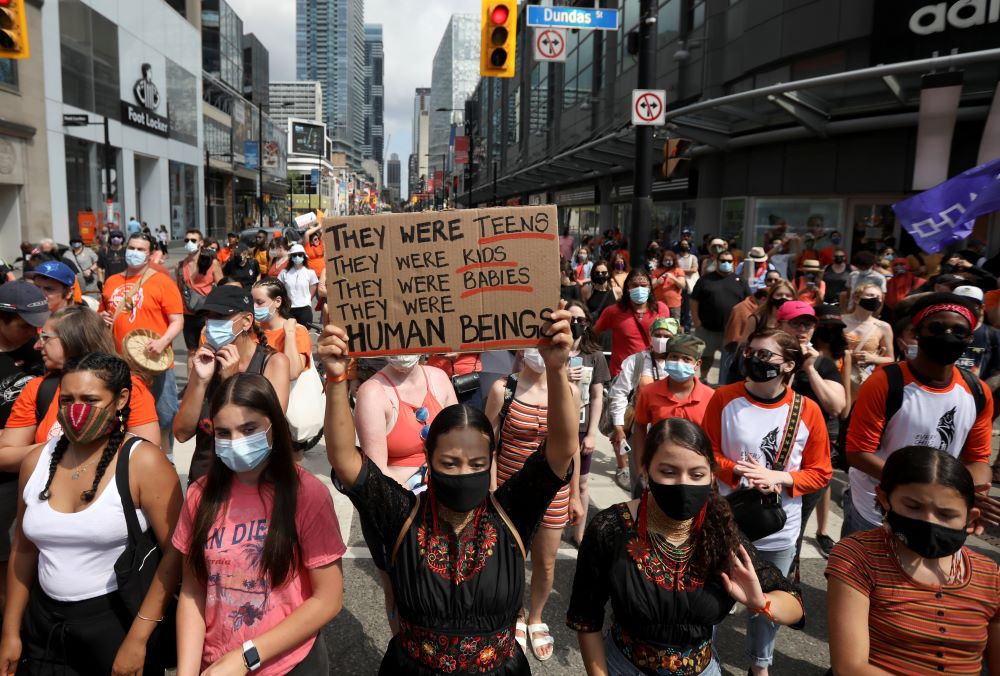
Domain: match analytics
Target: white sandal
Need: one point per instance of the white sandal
(537, 643)
(520, 626)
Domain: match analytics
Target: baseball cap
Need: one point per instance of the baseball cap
(757, 255)
(27, 300)
(227, 300)
(116, 233)
(718, 242)
(969, 291)
(668, 323)
(241, 248)
(687, 344)
(60, 272)
(297, 249)
(793, 309)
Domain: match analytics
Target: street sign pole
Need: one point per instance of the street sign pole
(642, 200)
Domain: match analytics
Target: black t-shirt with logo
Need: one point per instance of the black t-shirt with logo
(111, 261)
(17, 367)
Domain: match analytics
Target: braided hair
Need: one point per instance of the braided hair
(276, 290)
(116, 374)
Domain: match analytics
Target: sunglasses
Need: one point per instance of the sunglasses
(44, 337)
(191, 239)
(580, 321)
(802, 324)
(761, 354)
(938, 328)
(422, 415)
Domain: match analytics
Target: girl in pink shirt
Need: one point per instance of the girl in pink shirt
(261, 547)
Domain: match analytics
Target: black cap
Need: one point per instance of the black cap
(116, 233)
(227, 300)
(929, 299)
(27, 300)
(241, 248)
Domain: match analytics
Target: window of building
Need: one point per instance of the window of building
(182, 104)
(89, 45)
(668, 21)
(774, 217)
(8, 73)
(579, 72)
(183, 198)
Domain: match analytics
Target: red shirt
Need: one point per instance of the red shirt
(629, 332)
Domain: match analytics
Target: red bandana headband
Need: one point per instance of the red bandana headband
(945, 307)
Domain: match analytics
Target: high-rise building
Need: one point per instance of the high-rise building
(393, 175)
(222, 42)
(413, 175)
(455, 74)
(374, 146)
(330, 48)
(304, 102)
(421, 132)
(256, 70)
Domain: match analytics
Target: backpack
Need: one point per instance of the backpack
(43, 398)
(893, 402)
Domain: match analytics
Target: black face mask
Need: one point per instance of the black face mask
(870, 304)
(760, 371)
(947, 267)
(599, 277)
(929, 540)
(680, 501)
(460, 492)
(778, 302)
(944, 349)
(838, 259)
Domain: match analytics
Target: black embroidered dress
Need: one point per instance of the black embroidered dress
(663, 615)
(457, 595)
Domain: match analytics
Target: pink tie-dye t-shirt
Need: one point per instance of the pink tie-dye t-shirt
(240, 604)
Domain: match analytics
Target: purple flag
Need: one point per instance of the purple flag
(946, 213)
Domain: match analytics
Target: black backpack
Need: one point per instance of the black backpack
(46, 393)
(893, 402)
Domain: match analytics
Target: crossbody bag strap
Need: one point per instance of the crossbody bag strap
(125, 491)
(406, 527)
(510, 525)
(788, 438)
(146, 274)
(642, 332)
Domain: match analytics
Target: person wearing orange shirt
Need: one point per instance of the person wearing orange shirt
(669, 283)
(902, 283)
(232, 239)
(272, 311)
(679, 395)
(768, 438)
(144, 298)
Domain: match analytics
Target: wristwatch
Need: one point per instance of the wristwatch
(251, 658)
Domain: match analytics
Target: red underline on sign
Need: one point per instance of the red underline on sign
(519, 235)
(413, 350)
(494, 289)
(524, 342)
(478, 266)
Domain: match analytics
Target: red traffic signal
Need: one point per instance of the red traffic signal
(498, 41)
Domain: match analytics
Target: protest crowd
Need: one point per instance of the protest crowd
(732, 386)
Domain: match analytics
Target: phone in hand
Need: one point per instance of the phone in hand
(575, 362)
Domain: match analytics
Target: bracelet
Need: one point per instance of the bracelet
(765, 610)
(339, 379)
(148, 619)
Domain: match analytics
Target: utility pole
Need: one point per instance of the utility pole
(642, 200)
(260, 166)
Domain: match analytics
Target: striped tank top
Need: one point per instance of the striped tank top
(524, 430)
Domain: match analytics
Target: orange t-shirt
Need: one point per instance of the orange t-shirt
(315, 258)
(22, 414)
(152, 304)
(276, 339)
(668, 293)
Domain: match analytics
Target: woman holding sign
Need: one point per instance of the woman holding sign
(456, 552)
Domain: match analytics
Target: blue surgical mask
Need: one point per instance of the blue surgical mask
(679, 370)
(639, 294)
(219, 333)
(262, 314)
(191, 247)
(134, 258)
(298, 261)
(244, 454)
(725, 266)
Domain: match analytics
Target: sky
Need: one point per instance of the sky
(411, 32)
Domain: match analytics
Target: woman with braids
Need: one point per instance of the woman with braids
(64, 613)
(457, 552)
(272, 311)
(70, 333)
(261, 547)
(234, 343)
(673, 565)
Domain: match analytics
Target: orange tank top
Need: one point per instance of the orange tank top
(405, 442)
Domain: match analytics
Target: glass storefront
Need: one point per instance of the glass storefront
(183, 199)
(89, 44)
(872, 224)
(85, 180)
(779, 217)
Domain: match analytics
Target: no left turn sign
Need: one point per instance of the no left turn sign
(648, 107)
(550, 44)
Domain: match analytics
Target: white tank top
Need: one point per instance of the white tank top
(76, 552)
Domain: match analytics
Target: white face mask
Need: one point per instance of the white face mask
(532, 358)
(404, 362)
(911, 351)
(660, 345)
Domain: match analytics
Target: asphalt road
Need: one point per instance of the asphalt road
(357, 637)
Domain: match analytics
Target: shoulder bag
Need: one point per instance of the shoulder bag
(761, 514)
(192, 299)
(136, 568)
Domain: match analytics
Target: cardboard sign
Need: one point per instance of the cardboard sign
(443, 281)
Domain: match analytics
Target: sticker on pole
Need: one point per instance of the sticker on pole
(648, 107)
(550, 45)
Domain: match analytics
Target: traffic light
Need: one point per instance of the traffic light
(674, 152)
(498, 47)
(13, 30)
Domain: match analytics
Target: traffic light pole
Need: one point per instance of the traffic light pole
(107, 168)
(642, 200)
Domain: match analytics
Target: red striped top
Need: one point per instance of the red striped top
(524, 429)
(916, 629)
